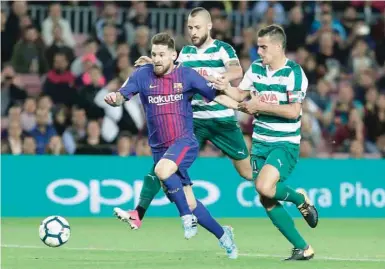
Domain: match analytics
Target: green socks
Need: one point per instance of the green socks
(150, 189)
(284, 193)
(285, 224)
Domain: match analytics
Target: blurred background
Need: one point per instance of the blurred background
(58, 60)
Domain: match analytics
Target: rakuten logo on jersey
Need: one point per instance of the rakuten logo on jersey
(161, 100)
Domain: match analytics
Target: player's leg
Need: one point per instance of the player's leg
(151, 186)
(229, 139)
(275, 211)
(182, 153)
(276, 169)
(285, 224)
(224, 234)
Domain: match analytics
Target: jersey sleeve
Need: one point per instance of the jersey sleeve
(200, 85)
(130, 87)
(227, 53)
(297, 85)
(247, 81)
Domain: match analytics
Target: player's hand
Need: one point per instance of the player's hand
(112, 99)
(223, 80)
(142, 61)
(252, 106)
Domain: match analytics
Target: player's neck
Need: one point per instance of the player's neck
(278, 64)
(207, 43)
(172, 67)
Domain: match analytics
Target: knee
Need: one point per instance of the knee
(162, 172)
(246, 174)
(264, 189)
(267, 203)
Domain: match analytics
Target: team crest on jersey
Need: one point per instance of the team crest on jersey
(178, 86)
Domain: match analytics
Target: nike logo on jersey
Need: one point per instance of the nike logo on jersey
(153, 86)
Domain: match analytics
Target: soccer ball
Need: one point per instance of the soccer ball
(54, 231)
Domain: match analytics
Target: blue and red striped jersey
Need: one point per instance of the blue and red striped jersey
(167, 101)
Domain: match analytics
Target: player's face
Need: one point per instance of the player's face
(163, 59)
(267, 49)
(198, 30)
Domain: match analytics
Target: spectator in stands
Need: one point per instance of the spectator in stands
(14, 141)
(89, 63)
(61, 119)
(356, 149)
(327, 23)
(375, 120)
(55, 146)
(329, 57)
(77, 131)
(221, 29)
(137, 16)
(296, 30)
(28, 115)
(88, 92)
(6, 42)
(124, 145)
(28, 54)
(338, 111)
(10, 92)
(60, 82)
(361, 57)
(12, 28)
(306, 149)
(107, 51)
(58, 46)
(90, 48)
(246, 45)
(321, 97)
(349, 20)
(111, 69)
(365, 81)
(55, 20)
(93, 143)
(29, 146)
(109, 17)
(310, 69)
(43, 131)
(261, 7)
(141, 46)
(142, 148)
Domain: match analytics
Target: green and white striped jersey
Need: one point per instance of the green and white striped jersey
(210, 61)
(283, 86)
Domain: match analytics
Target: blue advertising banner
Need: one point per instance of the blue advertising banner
(91, 186)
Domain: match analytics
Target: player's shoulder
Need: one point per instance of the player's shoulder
(188, 49)
(222, 44)
(186, 69)
(143, 71)
(293, 65)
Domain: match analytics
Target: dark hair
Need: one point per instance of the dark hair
(274, 31)
(163, 39)
(196, 10)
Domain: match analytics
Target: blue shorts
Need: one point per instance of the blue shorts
(183, 152)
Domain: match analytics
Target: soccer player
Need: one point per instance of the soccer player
(212, 121)
(165, 92)
(277, 87)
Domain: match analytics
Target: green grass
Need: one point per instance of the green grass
(109, 244)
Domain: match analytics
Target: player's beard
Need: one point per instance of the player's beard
(199, 41)
(163, 70)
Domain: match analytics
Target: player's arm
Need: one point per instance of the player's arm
(296, 91)
(239, 93)
(226, 101)
(232, 65)
(127, 90)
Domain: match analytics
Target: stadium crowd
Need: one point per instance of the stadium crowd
(53, 80)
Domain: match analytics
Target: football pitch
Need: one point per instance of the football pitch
(106, 243)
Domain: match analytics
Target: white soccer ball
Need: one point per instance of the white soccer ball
(54, 231)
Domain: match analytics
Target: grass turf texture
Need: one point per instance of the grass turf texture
(97, 243)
